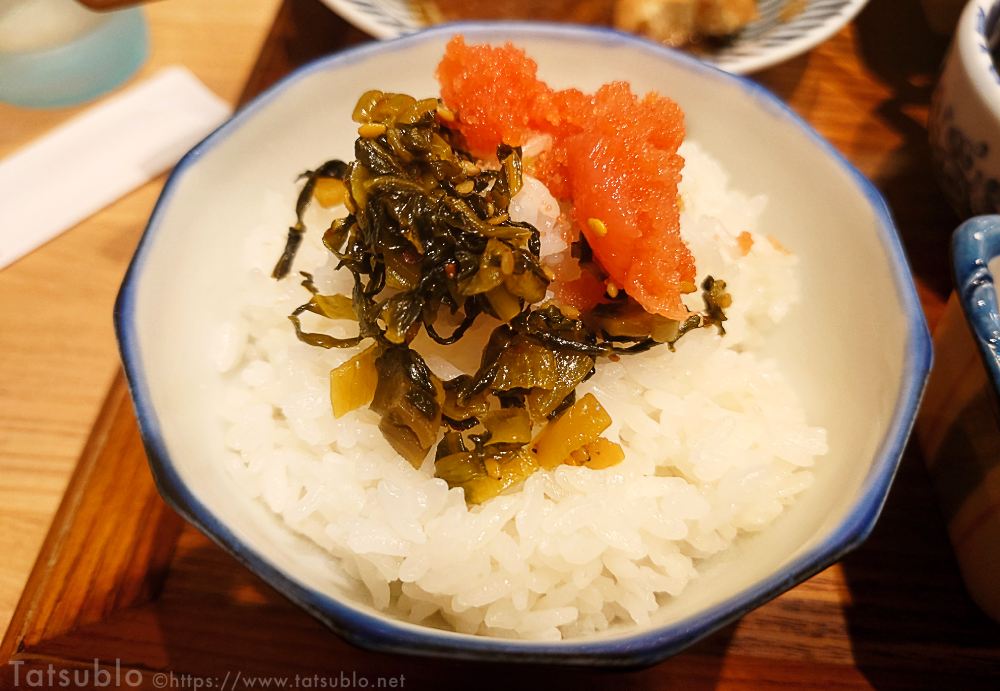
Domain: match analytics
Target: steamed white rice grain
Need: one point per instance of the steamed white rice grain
(717, 445)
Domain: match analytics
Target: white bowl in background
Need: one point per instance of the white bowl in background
(773, 37)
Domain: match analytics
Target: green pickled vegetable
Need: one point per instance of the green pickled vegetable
(353, 383)
(408, 397)
(428, 233)
(485, 475)
(508, 426)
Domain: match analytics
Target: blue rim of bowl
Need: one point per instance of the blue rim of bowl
(973, 245)
(383, 634)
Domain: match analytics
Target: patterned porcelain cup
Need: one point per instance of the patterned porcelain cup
(965, 115)
(959, 425)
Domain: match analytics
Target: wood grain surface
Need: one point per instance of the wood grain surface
(122, 580)
(57, 346)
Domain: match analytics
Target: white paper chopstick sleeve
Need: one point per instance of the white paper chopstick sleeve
(100, 155)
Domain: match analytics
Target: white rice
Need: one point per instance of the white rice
(716, 443)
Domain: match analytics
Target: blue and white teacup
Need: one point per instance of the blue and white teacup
(965, 115)
(959, 425)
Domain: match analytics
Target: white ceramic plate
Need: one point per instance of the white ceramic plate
(765, 42)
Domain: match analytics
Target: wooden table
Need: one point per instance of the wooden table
(121, 578)
(57, 347)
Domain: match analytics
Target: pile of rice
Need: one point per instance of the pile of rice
(716, 445)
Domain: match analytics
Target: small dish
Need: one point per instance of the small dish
(858, 347)
(771, 38)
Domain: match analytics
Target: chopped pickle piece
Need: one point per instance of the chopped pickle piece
(630, 321)
(486, 477)
(408, 397)
(400, 313)
(571, 369)
(508, 426)
(524, 364)
(581, 424)
(334, 306)
(597, 455)
(451, 443)
(401, 272)
(352, 384)
(716, 301)
(329, 192)
(523, 282)
(471, 407)
(492, 262)
(505, 306)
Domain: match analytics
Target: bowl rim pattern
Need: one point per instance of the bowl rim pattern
(643, 647)
(767, 41)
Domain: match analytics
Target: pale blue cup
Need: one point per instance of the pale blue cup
(89, 64)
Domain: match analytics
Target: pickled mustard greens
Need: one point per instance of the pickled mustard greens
(428, 232)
